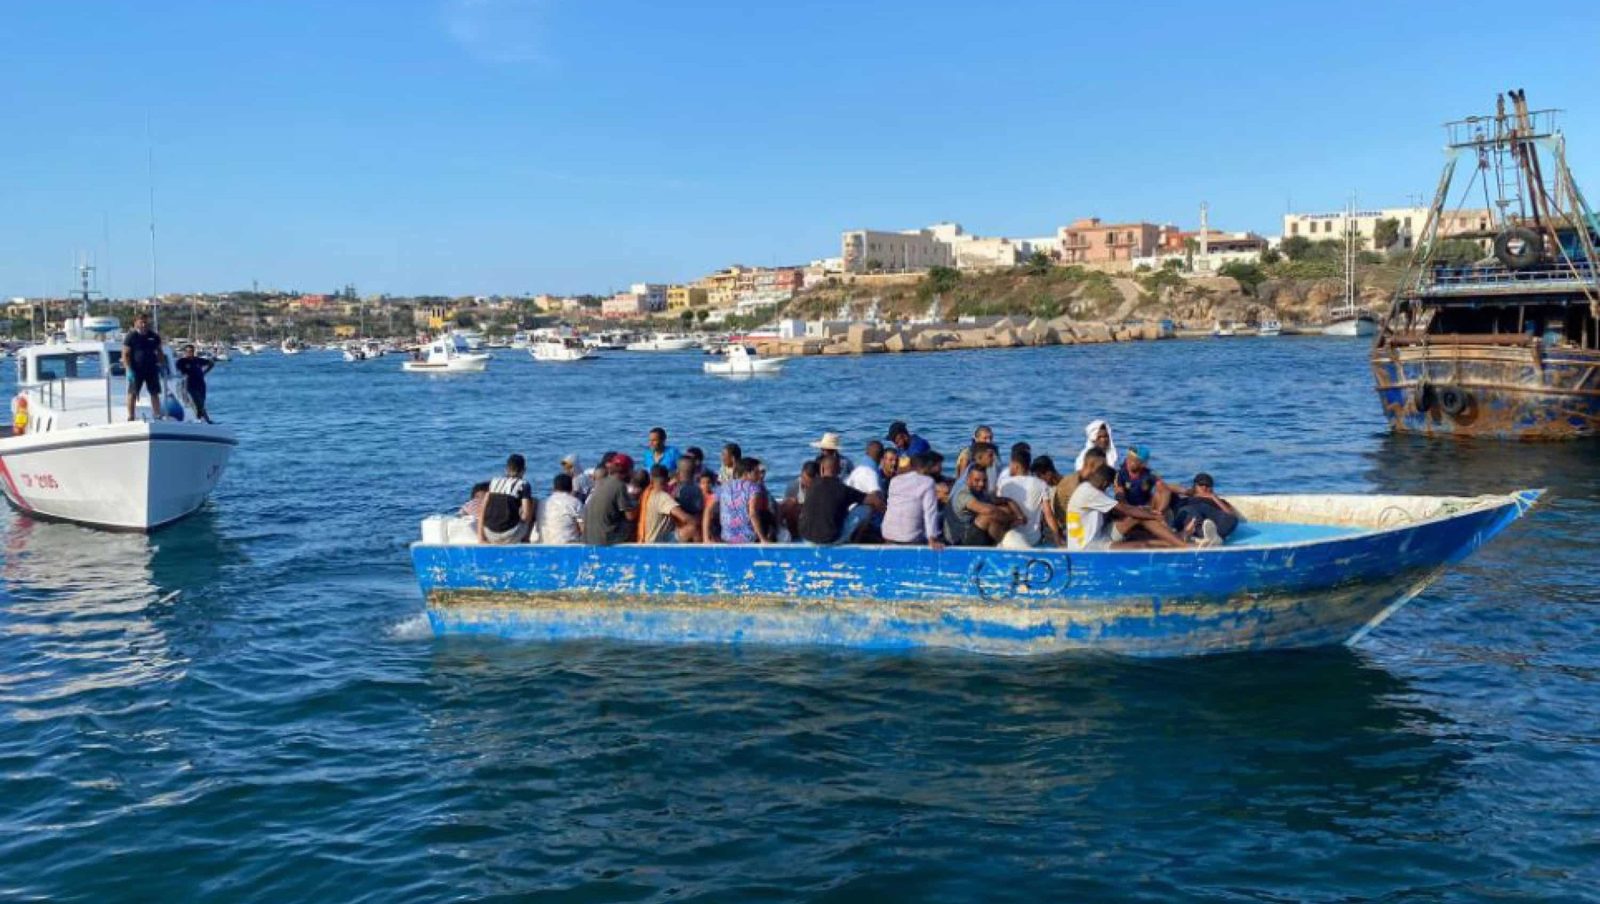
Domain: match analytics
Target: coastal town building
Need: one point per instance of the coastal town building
(722, 286)
(683, 298)
(624, 305)
(1090, 241)
(875, 251)
(1409, 224)
(654, 295)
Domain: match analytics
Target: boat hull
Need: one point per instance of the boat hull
(466, 364)
(1351, 328)
(1517, 392)
(135, 476)
(1143, 603)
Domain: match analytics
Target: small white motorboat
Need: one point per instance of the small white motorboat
(71, 455)
(1270, 327)
(562, 351)
(663, 342)
(1224, 330)
(447, 355)
(521, 339)
(291, 346)
(739, 361)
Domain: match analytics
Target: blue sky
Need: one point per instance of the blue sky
(457, 146)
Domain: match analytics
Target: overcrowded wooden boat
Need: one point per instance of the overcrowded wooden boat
(1303, 571)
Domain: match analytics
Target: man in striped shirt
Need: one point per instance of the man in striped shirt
(508, 509)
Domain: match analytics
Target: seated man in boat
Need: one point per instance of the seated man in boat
(661, 518)
(795, 494)
(605, 515)
(907, 442)
(685, 486)
(888, 467)
(1139, 486)
(143, 359)
(582, 481)
(828, 447)
(472, 509)
(508, 509)
(983, 433)
(866, 477)
(1098, 436)
(834, 511)
(731, 456)
(978, 518)
(911, 514)
(561, 516)
(1201, 512)
(985, 457)
(1061, 495)
(1098, 520)
(1031, 495)
(657, 452)
(710, 527)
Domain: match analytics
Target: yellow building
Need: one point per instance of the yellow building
(682, 298)
(722, 287)
(344, 331)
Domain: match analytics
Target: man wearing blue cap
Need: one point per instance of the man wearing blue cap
(1137, 485)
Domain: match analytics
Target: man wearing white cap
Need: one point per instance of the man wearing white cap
(582, 482)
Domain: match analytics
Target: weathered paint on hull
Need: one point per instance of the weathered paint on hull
(1513, 392)
(1148, 603)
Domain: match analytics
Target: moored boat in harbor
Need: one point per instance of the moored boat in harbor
(447, 354)
(1306, 570)
(1505, 346)
(738, 361)
(561, 350)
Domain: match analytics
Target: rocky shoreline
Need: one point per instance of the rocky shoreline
(868, 339)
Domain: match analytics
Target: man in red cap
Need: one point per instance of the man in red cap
(605, 515)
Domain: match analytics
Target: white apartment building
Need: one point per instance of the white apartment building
(653, 294)
(869, 250)
(1319, 226)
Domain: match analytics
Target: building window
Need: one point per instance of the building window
(1294, 228)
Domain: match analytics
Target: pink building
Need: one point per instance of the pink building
(1091, 241)
(624, 305)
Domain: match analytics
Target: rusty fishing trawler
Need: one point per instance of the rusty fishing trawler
(1506, 346)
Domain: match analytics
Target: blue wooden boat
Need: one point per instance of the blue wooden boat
(1302, 571)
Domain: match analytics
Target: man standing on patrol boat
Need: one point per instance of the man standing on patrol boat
(143, 359)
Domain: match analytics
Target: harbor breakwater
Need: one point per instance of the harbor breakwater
(1005, 332)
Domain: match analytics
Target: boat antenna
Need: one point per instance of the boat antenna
(150, 174)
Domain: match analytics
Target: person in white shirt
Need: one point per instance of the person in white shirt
(1029, 492)
(1096, 520)
(865, 478)
(561, 516)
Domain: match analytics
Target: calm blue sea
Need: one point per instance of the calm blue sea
(246, 707)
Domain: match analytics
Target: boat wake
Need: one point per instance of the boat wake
(414, 628)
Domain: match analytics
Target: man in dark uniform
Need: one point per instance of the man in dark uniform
(143, 358)
(194, 369)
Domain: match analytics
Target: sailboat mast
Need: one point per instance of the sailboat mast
(150, 173)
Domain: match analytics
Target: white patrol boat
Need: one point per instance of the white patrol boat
(70, 453)
(448, 354)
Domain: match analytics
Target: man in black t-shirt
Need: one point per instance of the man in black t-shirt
(508, 509)
(833, 510)
(194, 369)
(143, 358)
